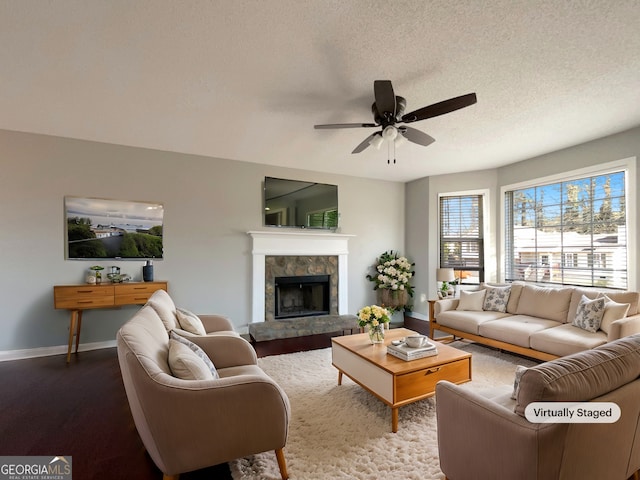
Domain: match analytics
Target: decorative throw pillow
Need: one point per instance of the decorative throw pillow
(185, 364)
(471, 300)
(613, 311)
(190, 322)
(496, 299)
(589, 314)
(197, 351)
(516, 381)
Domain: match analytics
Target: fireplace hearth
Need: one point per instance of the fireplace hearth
(302, 296)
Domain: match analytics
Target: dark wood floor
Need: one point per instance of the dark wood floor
(80, 410)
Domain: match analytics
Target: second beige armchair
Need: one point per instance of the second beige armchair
(187, 425)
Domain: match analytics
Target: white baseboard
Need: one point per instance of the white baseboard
(48, 351)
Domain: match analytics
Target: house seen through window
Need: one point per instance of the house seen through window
(570, 233)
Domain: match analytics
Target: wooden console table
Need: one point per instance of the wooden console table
(77, 298)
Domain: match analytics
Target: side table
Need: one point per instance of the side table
(77, 298)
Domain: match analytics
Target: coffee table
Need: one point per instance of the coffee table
(394, 381)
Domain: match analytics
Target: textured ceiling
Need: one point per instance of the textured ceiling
(248, 79)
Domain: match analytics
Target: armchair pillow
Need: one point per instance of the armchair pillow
(190, 322)
(185, 364)
(198, 352)
(589, 314)
(516, 381)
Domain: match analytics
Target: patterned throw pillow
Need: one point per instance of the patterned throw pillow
(190, 322)
(589, 314)
(496, 299)
(516, 381)
(198, 351)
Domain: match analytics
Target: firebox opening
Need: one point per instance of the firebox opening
(302, 296)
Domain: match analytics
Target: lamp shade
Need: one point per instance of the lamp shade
(445, 275)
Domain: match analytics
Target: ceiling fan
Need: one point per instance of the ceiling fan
(388, 114)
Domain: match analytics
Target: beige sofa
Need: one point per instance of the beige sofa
(536, 321)
(189, 424)
(487, 437)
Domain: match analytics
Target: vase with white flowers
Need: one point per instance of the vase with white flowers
(374, 318)
(392, 280)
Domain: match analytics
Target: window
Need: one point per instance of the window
(461, 236)
(571, 233)
(323, 218)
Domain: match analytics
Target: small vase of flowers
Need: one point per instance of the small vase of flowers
(374, 318)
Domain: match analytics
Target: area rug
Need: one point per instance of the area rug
(345, 432)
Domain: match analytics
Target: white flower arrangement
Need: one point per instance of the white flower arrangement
(393, 272)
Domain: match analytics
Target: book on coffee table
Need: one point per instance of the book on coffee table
(404, 352)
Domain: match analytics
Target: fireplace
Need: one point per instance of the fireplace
(282, 253)
(302, 296)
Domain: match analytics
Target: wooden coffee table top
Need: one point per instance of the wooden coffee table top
(377, 354)
(395, 381)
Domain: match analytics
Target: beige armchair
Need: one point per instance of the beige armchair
(488, 436)
(187, 425)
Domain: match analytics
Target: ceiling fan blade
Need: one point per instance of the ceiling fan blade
(365, 143)
(440, 108)
(345, 125)
(416, 136)
(385, 98)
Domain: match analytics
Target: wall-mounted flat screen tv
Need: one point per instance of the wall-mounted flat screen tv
(300, 204)
(112, 229)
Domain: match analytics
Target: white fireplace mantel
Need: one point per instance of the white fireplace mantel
(284, 242)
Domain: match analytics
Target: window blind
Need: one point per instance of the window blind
(461, 236)
(570, 233)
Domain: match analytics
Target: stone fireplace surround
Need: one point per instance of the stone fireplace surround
(293, 243)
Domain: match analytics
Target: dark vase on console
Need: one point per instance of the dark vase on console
(147, 271)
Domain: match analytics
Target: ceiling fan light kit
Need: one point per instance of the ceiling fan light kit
(388, 110)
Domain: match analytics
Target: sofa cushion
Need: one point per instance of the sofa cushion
(467, 321)
(620, 297)
(515, 329)
(582, 376)
(471, 300)
(632, 298)
(190, 322)
(566, 339)
(185, 364)
(496, 298)
(613, 311)
(589, 314)
(547, 303)
(197, 351)
(514, 296)
(165, 308)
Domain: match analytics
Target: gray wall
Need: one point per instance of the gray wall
(209, 204)
(422, 196)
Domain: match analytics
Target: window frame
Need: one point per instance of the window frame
(628, 165)
(483, 230)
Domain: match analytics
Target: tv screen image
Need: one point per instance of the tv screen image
(112, 229)
(301, 204)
